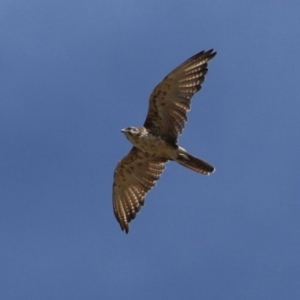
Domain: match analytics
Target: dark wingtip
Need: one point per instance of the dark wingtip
(125, 227)
(211, 53)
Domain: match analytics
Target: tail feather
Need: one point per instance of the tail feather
(196, 164)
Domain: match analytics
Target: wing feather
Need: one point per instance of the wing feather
(134, 176)
(171, 99)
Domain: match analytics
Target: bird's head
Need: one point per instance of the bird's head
(131, 133)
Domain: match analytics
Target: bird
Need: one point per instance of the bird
(156, 142)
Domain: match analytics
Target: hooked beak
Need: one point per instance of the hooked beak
(123, 130)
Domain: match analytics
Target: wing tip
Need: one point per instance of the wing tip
(123, 224)
(125, 228)
(209, 54)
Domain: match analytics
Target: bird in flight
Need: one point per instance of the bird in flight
(155, 143)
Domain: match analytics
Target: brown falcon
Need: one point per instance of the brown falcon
(155, 143)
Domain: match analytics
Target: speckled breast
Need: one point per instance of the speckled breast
(156, 146)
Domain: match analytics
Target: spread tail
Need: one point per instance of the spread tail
(196, 164)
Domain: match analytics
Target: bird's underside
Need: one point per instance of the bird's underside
(156, 142)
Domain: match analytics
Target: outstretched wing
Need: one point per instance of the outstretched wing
(134, 176)
(171, 99)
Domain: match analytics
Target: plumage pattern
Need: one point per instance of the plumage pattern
(134, 176)
(171, 99)
(156, 142)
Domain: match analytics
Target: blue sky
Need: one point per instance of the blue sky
(73, 74)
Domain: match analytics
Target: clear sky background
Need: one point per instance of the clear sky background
(72, 75)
